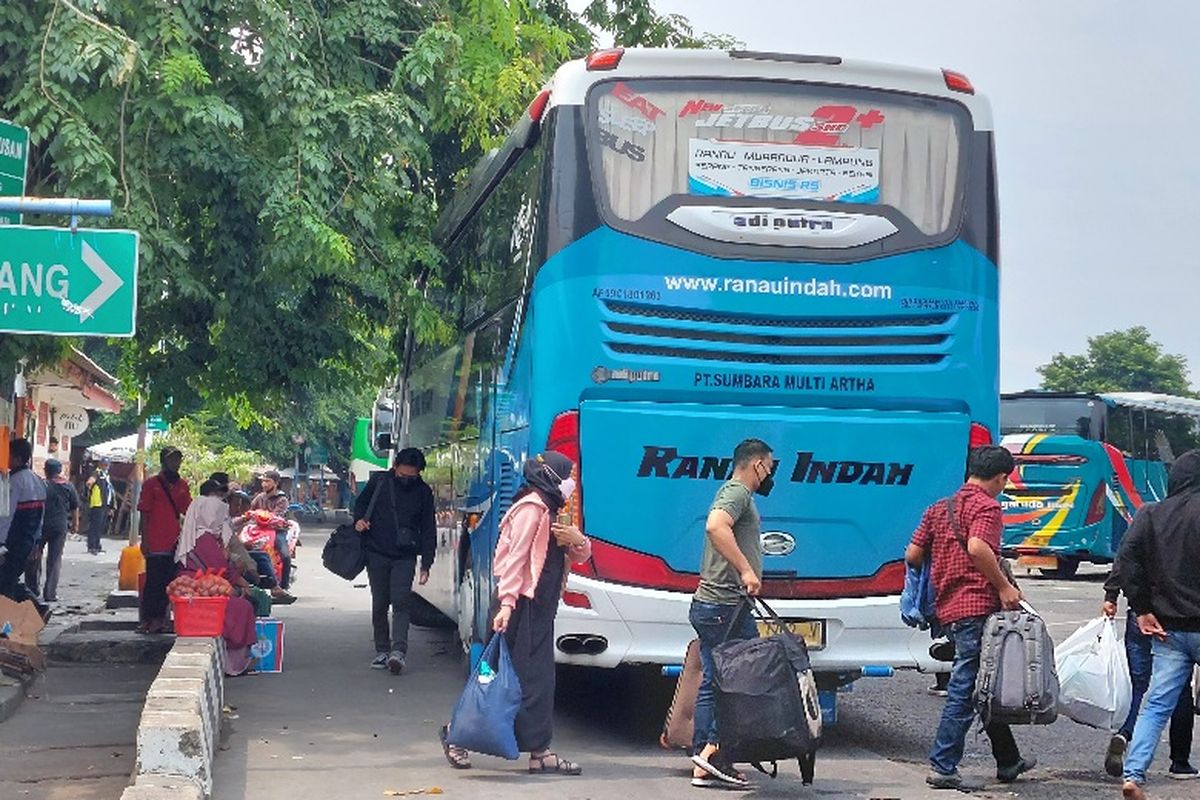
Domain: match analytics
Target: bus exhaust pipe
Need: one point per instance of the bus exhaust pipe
(575, 644)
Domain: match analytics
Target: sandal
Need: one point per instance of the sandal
(561, 767)
(457, 756)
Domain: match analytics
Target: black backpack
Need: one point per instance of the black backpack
(767, 704)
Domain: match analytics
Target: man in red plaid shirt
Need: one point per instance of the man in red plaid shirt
(970, 586)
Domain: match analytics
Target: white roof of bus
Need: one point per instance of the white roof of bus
(1151, 401)
(571, 82)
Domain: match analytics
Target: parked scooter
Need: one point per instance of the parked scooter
(258, 536)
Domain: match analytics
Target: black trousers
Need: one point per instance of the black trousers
(160, 571)
(55, 541)
(12, 571)
(97, 519)
(391, 582)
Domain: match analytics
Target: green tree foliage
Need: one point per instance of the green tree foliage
(1118, 361)
(203, 454)
(284, 163)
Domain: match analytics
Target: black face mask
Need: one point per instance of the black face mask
(408, 480)
(764, 488)
(170, 475)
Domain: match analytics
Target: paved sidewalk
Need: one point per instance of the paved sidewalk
(73, 736)
(330, 727)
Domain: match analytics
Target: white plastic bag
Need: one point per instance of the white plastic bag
(1094, 676)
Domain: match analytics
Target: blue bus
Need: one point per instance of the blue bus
(1085, 464)
(674, 251)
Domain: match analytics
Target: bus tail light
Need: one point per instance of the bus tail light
(617, 564)
(576, 600)
(980, 436)
(1098, 506)
(538, 106)
(604, 59)
(564, 438)
(957, 82)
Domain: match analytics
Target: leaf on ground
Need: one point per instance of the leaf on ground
(412, 792)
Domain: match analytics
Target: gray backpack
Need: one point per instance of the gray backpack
(1017, 681)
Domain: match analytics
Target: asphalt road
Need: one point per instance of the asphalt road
(330, 727)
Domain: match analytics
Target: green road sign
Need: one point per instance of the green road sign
(156, 423)
(60, 283)
(14, 159)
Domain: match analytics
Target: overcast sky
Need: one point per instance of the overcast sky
(1096, 107)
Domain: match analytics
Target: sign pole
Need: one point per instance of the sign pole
(139, 476)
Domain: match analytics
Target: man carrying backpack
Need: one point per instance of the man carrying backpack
(962, 536)
(1157, 563)
(730, 568)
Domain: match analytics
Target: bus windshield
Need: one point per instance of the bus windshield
(770, 139)
(1077, 416)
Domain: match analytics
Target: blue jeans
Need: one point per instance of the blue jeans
(711, 621)
(285, 555)
(959, 711)
(1137, 651)
(1173, 662)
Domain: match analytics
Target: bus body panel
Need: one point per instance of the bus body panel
(1073, 498)
(885, 359)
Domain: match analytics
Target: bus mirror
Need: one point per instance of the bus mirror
(383, 442)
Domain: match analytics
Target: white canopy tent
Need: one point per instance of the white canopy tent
(121, 450)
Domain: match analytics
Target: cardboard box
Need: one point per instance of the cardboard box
(20, 624)
(267, 652)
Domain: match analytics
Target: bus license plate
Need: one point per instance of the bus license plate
(812, 631)
(1037, 562)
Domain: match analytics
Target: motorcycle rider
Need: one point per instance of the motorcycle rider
(275, 500)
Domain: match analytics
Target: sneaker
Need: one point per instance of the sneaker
(380, 661)
(1114, 759)
(1182, 772)
(395, 662)
(1131, 791)
(719, 769)
(1010, 774)
(941, 780)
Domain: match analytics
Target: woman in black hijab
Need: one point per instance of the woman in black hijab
(532, 558)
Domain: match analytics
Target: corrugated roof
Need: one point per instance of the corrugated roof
(1152, 401)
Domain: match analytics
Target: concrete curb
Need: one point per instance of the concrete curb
(12, 695)
(181, 724)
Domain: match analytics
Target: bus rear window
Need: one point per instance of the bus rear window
(766, 139)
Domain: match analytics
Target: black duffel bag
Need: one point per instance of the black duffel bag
(344, 555)
(767, 704)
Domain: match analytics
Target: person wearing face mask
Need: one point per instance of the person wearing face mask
(400, 528)
(730, 568)
(533, 556)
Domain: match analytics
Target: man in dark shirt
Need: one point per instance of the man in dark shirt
(21, 526)
(399, 528)
(1138, 653)
(62, 516)
(962, 535)
(1158, 573)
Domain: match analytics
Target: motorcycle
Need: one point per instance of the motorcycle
(259, 536)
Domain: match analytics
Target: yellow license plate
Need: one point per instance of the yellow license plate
(812, 631)
(1038, 562)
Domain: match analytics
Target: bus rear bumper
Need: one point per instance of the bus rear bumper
(649, 626)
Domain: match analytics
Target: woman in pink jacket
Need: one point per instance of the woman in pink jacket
(532, 558)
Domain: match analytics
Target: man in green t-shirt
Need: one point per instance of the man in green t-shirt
(730, 568)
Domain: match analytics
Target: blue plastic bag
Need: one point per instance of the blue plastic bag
(918, 603)
(483, 719)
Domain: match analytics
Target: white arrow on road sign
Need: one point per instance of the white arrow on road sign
(110, 282)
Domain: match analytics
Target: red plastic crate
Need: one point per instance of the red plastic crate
(199, 616)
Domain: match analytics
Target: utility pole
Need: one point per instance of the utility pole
(139, 476)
